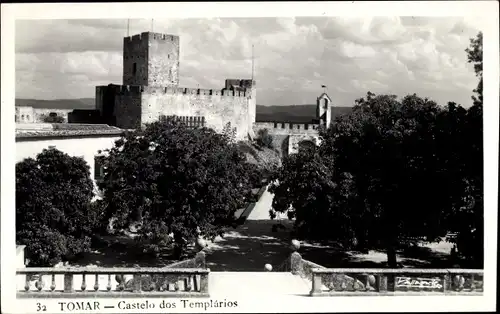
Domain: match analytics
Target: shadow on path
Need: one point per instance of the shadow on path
(252, 245)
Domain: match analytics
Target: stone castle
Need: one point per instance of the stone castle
(151, 65)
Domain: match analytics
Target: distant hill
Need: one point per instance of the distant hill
(80, 103)
(295, 113)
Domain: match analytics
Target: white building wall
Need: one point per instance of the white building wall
(86, 148)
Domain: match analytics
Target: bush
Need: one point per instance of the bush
(264, 139)
(53, 195)
(52, 119)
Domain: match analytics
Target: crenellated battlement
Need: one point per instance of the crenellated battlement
(136, 38)
(287, 127)
(151, 36)
(164, 37)
(128, 90)
(171, 90)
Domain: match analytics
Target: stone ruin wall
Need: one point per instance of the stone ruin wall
(137, 105)
(287, 135)
(28, 114)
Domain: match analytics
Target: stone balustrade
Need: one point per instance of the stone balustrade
(405, 281)
(75, 282)
(382, 281)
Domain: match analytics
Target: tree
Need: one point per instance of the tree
(52, 118)
(264, 139)
(475, 56)
(374, 180)
(178, 182)
(53, 197)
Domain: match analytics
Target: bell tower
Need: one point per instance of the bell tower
(324, 110)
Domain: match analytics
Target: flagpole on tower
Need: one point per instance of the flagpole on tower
(128, 27)
(252, 63)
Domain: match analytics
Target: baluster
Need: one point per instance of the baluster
(176, 285)
(84, 283)
(343, 284)
(68, 283)
(165, 283)
(446, 283)
(356, 286)
(150, 283)
(108, 287)
(53, 284)
(472, 283)
(458, 282)
(187, 283)
(370, 282)
(27, 282)
(121, 286)
(39, 282)
(195, 283)
(137, 283)
(96, 284)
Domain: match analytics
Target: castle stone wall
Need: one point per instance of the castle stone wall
(135, 51)
(286, 128)
(127, 110)
(28, 114)
(294, 140)
(24, 114)
(163, 60)
(217, 109)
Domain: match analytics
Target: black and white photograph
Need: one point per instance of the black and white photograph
(249, 159)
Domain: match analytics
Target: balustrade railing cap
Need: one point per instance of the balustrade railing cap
(395, 271)
(115, 270)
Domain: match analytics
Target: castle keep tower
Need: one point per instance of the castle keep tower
(151, 90)
(151, 59)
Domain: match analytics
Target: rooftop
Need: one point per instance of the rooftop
(63, 130)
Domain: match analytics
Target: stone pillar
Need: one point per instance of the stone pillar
(382, 283)
(204, 282)
(21, 262)
(295, 258)
(316, 284)
(200, 260)
(296, 263)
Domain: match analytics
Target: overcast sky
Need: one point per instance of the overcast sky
(293, 56)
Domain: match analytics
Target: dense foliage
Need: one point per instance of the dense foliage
(475, 56)
(177, 182)
(392, 171)
(264, 139)
(54, 215)
(52, 119)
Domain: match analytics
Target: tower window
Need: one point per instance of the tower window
(134, 68)
(168, 56)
